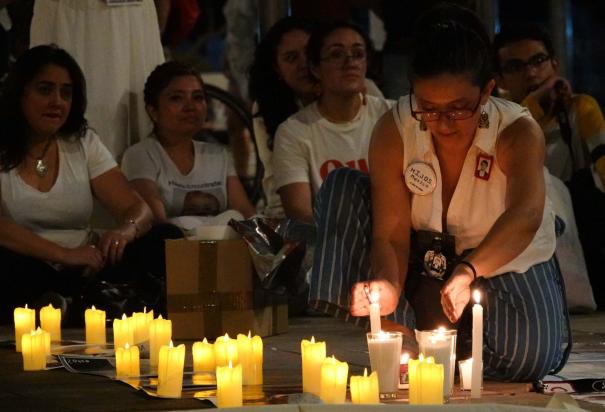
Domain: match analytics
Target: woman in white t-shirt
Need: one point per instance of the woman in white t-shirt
(175, 174)
(52, 167)
(332, 132)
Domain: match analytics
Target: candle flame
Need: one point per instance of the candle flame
(312, 339)
(441, 329)
(230, 364)
(26, 306)
(374, 296)
(249, 335)
(226, 337)
(160, 317)
(50, 305)
(144, 309)
(126, 346)
(405, 358)
(365, 372)
(123, 316)
(38, 330)
(170, 345)
(93, 307)
(421, 357)
(205, 340)
(477, 296)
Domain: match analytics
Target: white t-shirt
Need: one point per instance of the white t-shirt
(62, 214)
(202, 191)
(480, 195)
(308, 146)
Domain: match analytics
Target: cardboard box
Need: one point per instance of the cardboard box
(210, 291)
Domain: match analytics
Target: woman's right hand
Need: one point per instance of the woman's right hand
(360, 303)
(88, 256)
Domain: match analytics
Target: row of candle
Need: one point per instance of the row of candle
(25, 322)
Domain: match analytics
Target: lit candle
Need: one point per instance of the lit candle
(141, 322)
(477, 353)
(375, 311)
(250, 355)
(122, 331)
(466, 373)
(440, 344)
(50, 321)
(385, 355)
(364, 389)
(170, 370)
(229, 386)
(25, 322)
(225, 350)
(160, 333)
(33, 345)
(127, 361)
(203, 356)
(333, 382)
(426, 381)
(95, 326)
(312, 355)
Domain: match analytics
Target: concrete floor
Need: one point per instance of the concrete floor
(60, 390)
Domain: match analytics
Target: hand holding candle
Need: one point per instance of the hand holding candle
(374, 298)
(477, 375)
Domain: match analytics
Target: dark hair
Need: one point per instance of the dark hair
(451, 39)
(14, 130)
(276, 100)
(517, 32)
(318, 39)
(161, 77)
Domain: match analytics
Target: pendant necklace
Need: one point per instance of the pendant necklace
(41, 166)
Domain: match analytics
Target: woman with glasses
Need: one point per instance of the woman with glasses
(332, 132)
(457, 177)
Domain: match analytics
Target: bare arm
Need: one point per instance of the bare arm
(520, 153)
(297, 201)
(237, 197)
(390, 219)
(148, 190)
(127, 207)
(163, 10)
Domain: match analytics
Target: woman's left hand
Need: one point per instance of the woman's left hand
(456, 293)
(112, 246)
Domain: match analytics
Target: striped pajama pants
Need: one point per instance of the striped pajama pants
(525, 315)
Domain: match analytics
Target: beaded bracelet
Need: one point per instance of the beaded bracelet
(470, 265)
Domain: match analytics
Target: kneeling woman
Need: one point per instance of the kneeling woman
(457, 177)
(175, 174)
(52, 167)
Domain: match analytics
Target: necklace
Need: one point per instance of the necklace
(41, 166)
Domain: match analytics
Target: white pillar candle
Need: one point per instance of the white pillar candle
(312, 355)
(465, 368)
(95, 326)
(25, 322)
(34, 347)
(229, 386)
(375, 311)
(50, 321)
(170, 370)
(160, 333)
(477, 376)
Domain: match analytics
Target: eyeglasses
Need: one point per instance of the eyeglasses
(432, 116)
(515, 66)
(339, 56)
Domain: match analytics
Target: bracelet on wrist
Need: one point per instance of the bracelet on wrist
(470, 265)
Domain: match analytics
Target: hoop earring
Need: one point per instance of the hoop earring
(422, 125)
(483, 120)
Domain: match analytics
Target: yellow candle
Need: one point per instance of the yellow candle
(364, 389)
(25, 322)
(50, 321)
(122, 331)
(333, 380)
(141, 322)
(426, 381)
(312, 354)
(225, 350)
(33, 345)
(160, 333)
(95, 326)
(127, 361)
(170, 370)
(250, 356)
(229, 386)
(203, 356)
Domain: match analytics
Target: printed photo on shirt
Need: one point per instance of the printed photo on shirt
(484, 166)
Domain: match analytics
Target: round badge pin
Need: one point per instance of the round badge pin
(420, 178)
